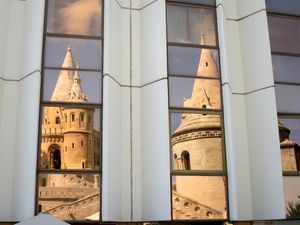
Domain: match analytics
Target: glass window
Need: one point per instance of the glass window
(186, 24)
(69, 168)
(188, 61)
(289, 133)
(56, 137)
(203, 197)
(197, 164)
(72, 86)
(79, 17)
(69, 196)
(291, 7)
(286, 68)
(67, 52)
(292, 196)
(284, 34)
(194, 93)
(204, 2)
(200, 137)
(284, 93)
(284, 30)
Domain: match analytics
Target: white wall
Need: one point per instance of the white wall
(11, 30)
(252, 139)
(28, 111)
(22, 22)
(135, 153)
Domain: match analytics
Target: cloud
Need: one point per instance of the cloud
(81, 17)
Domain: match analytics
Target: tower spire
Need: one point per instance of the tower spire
(205, 91)
(65, 78)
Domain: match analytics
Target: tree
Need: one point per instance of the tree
(293, 209)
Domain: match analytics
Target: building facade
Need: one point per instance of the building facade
(218, 153)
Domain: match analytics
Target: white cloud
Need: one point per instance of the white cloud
(81, 17)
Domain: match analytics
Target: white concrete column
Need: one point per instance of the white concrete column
(26, 136)
(252, 141)
(136, 182)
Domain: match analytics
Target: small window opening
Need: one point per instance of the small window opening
(72, 145)
(73, 117)
(206, 63)
(57, 120)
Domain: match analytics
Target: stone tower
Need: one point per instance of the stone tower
(290, 150)
(79, 148)
(69, 140)
(197, 145)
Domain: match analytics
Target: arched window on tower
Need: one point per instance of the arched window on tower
(185, 156)
(57, 120)
(81, 119)
(72, 117)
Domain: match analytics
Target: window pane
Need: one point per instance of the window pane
(74, 17)
(198, 197)
(292, 196)
(193, 61)
(196, 142)
(286, 6)
(204, 2)
(66, 52)
(68, 142)
(72, 86)
(284, 34)
(289, 133)
(284, 94)
(69, 196)
(286, 68)
(194, 93)
(186, 24)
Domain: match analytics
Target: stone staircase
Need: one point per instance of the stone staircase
(188, 209)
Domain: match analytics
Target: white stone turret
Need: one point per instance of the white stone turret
(76, 94)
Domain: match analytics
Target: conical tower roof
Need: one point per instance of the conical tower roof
(206, 94)
(65, 78)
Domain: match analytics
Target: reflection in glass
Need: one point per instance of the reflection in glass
(186, 61)
(89, 83)
(204, 2)
(65, 52)
(292, 196)
(80, 17)
(194, 93)
(289, 133)
(196, 141)
(284, 94)
(72, 143)
(198, 197)
(284, 34)
(69, 196)
(291, 7)
(286, 68)
(185, 25)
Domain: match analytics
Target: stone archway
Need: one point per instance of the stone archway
(55, 157)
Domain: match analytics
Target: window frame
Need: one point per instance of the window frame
(44, 103)
(201, 173)
(286, 114)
